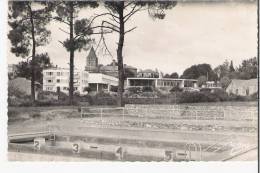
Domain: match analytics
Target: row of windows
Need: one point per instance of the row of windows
(60, 73)
(65, 81)
(167, 83)
(63, 88)
(49, 88)
(241, 91)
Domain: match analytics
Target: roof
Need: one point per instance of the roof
(164, 79)
(148, 71)
(109, 68)
(58, 68)
(239, 82)
(115, 67)
(128, 66)
(92, 53)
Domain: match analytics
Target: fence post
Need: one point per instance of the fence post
(123, 114)
(252, 118)
(224, 117)
(81, 113)
(146, 114)
(215, 119)
(101, 116)
(196, 117)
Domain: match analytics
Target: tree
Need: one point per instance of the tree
(224, 82)
(222, 70)
(121, 12)
(166, 75)
(231, 67)
(24, 68)
(202, 80)
(28, 20)
(195, 71)
(174, 75)
(248, 69)
(79, 31)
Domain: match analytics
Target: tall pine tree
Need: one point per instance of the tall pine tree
(28, 20)
(78, 33)
(121, 12)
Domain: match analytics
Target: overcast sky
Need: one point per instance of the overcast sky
(191, 33)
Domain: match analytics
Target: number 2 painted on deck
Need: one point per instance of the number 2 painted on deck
(37, 145)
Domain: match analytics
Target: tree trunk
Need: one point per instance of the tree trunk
(33, 57)
(120, 55)
(71, 83)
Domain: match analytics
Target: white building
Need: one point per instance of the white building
(57, 79)
(161, 82)
(242, 87)
(101, 82)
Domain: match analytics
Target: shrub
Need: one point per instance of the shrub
(194, 97)
(103, 98)
(135, 90)
(15, 92)
(176, 89)
(35, 115)
(113, 88)
(147, 89)
(88, 89)
(254, 96)
(15, 101)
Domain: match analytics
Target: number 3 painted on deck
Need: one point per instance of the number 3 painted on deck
(75, 148)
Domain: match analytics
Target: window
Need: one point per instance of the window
(247, 91)
(49, 81)
(58, 80)
(49, 88)
(58, 73)
(236, 91)
(49, 73)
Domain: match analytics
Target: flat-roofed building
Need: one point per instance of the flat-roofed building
(161, 82)
(101, 82)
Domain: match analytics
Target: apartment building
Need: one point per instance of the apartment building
(57, 79)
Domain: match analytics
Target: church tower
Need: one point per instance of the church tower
(92, 61)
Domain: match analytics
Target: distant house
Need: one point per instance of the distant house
(148, 73)
(112, 70)
(23, 85)
(211, 84)
(242, 87)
